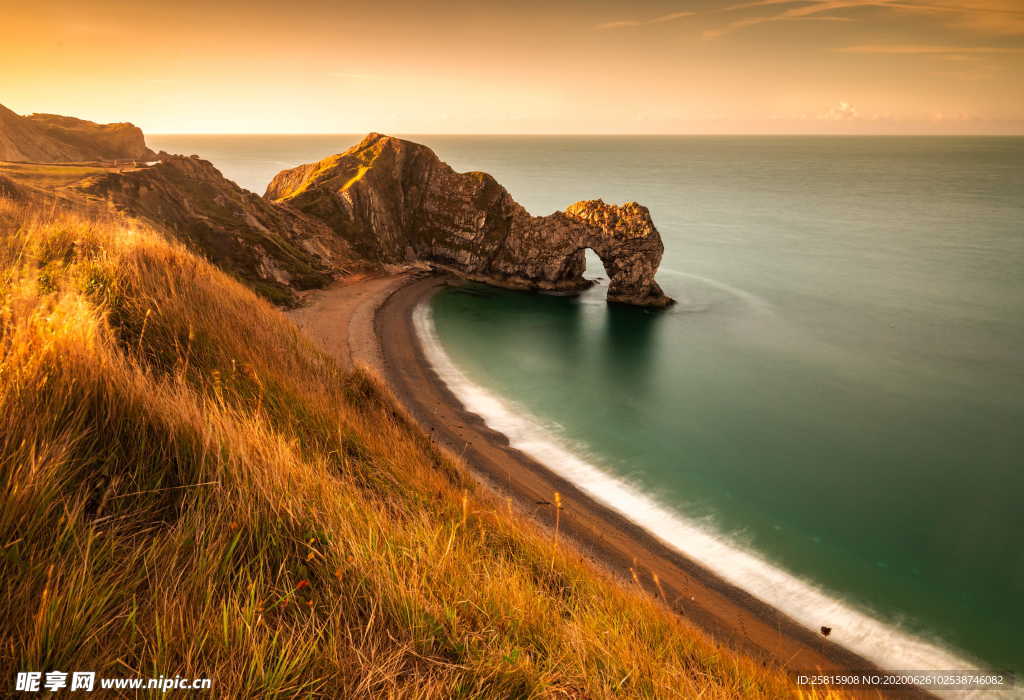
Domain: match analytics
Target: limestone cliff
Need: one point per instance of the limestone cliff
(49, 138)
(395, 201)
(384, 201)
(272, 247)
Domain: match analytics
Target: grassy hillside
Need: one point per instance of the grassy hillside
(190, 487)
(273, 249)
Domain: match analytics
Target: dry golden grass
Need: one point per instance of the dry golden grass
(51, 175)
(190, 488)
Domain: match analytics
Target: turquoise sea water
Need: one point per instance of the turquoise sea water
(840, 389)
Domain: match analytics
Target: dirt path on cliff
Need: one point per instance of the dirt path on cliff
(369, 322)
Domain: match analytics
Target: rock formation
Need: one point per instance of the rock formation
(395, 201)
(384, 201)
(49, 138)
(272, 247)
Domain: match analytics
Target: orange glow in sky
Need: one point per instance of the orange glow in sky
(583, 66)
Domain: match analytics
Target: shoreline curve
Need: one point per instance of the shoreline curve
(344, 317)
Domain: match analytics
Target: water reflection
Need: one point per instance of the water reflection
(629, 347)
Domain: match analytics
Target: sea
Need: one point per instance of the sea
(831, 416)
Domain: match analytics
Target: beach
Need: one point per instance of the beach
(369, 322)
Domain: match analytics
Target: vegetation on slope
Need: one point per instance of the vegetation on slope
(51, 175)
(189, 487)
(272, 248)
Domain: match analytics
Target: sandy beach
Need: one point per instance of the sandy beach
(369, 322)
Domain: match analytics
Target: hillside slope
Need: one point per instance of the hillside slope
(273, 248)
(189, 487)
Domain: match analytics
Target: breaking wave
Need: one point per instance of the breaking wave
(882, 643)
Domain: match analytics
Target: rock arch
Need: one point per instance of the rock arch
(629, 246)
(395, 201)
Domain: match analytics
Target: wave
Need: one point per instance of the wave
(751, 299)
(884, 644)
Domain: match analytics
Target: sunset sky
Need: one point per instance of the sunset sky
(530, 66)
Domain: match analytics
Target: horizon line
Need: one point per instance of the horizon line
(584, 134)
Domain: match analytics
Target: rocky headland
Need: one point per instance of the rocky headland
(50, 138)
(396, 202)
(384, 203)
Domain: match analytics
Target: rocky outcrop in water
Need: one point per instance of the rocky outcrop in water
(49, 138)
(395, 201)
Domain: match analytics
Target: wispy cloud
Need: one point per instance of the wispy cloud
(1005, 17)
(971, 63)
(992, 17)
(751, 21)
(808, 10)
(1002, 17)
(621, 24)
(912, 49)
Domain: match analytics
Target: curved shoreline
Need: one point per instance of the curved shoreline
(728, 613)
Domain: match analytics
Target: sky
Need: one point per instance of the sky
(528, 66)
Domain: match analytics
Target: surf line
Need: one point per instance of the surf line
(884, 644)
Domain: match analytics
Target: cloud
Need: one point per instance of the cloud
(1002, 17)
(967, 63)
(975, 62)
(999, 17)
(620, 24)
(843, 111)
(993, 17)
(915, 49)
(751, 21)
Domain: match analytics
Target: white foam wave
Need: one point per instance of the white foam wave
(882, 643)
(751, 299)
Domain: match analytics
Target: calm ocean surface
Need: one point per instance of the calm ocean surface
(840, 390)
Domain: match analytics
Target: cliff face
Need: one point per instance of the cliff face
(384, 201)
(49, 138)
(274, 248)
(395, 201)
